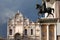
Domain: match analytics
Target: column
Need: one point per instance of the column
(40, 32)
(55, 32)
(44, 32)
(51, 32)
(47, 32)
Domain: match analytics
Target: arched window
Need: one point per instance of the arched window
(10, 31)
(31, 31)
(25, 31)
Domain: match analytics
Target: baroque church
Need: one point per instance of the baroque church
(21, 28)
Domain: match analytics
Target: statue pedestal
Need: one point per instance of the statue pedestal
(48, 28)
(47, 20)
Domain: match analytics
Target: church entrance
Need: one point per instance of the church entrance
(17, 36)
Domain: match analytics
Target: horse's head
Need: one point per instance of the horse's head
(37, 6)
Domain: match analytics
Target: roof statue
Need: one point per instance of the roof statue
(42, 9)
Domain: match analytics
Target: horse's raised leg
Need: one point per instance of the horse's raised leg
(47, 15)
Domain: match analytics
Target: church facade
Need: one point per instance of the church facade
(21, 28)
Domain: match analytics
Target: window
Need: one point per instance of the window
(10, 31)
(31, 31)
(25, 31)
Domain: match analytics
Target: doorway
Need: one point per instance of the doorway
(17, 36)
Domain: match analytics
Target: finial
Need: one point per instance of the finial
(18, 11)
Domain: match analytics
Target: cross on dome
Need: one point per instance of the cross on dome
(18, 11)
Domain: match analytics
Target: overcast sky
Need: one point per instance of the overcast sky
(8, 8)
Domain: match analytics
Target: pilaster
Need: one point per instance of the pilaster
(55, 31)
(47, 32)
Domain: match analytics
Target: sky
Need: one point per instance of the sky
(8, 8)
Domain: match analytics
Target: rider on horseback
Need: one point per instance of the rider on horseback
(43, 9)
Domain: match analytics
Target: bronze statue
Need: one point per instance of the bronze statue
(42, 9)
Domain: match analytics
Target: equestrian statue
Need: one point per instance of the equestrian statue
(42, 9)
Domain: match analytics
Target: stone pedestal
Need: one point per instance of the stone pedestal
(48, 29)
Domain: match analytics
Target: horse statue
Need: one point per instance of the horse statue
(43, 9)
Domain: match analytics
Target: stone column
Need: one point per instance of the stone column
(47, 32)
(55, 32)
(40, 32)
(43, 32)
